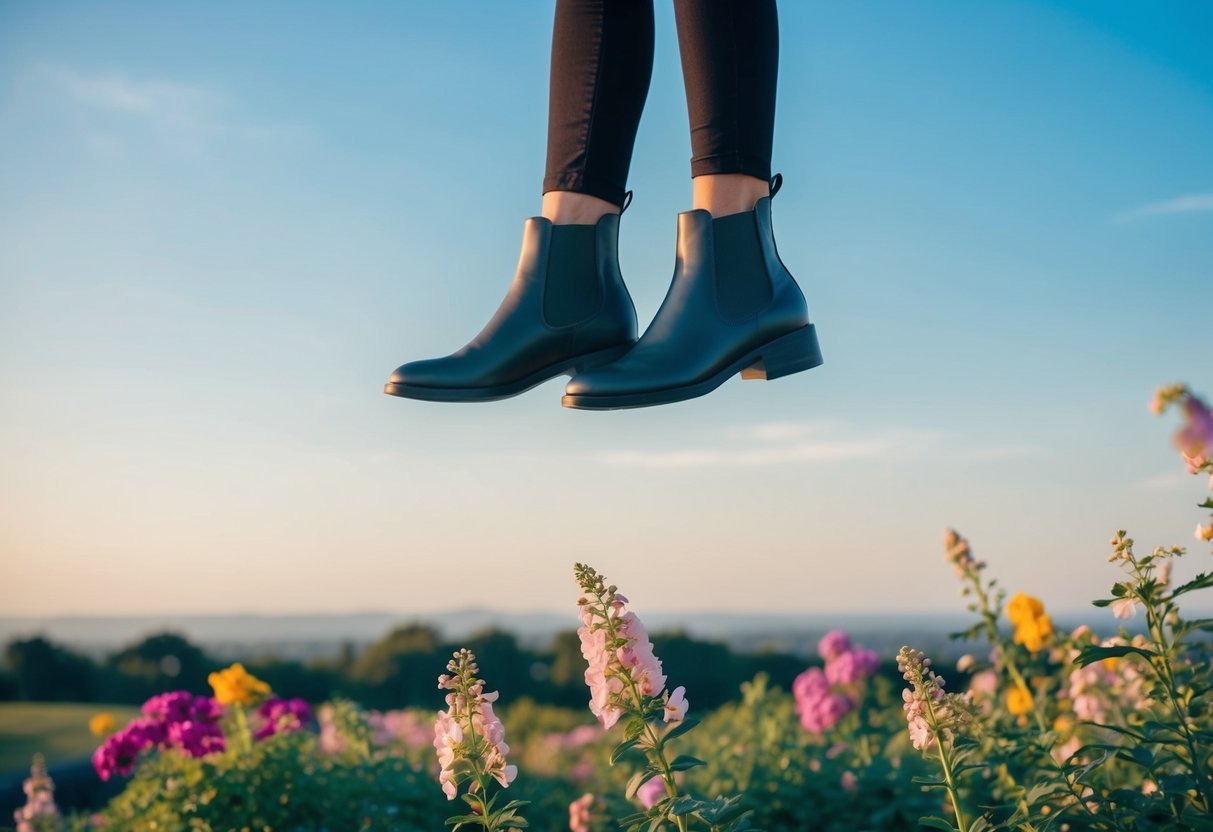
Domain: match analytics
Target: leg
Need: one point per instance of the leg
(732, 307)
(567, 308)
(730, 63)
(602, 61)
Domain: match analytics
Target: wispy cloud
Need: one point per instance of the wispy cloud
(1190, 204)
(784, 443)
(184, 116)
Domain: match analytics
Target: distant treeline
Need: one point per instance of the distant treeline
(399, 670)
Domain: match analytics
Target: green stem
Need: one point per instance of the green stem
(945, 760)
(481, 783)
(1162, 669)
(246, 736)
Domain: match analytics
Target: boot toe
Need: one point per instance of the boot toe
(428, 372)
(604, 381)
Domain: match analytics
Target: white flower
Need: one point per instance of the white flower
(676, 705)
(1124, 607)
(1164, 573)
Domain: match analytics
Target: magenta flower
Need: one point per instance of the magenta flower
(851, 666)
(824, 697)
(282, 716)
(178, 719)
(833, 643)
(818, 706)
(1195, 437)
(120, 751)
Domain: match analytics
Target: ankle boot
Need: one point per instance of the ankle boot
(732, 308)
(567, 310)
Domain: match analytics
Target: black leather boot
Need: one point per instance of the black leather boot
(567, 310)
(731, 308)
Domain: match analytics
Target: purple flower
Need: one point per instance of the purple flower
(282, 716)
(119, 752)
(818, 706)
(820, 714)
(182, 706)
(850, 667)
(1195, 437)
(811, 684)
(196, 739)
(178, 719)
(833, 643)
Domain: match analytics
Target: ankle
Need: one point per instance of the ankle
(572, 208)
(722, 194)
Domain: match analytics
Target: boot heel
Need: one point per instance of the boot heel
(791, 353)
(598, 359)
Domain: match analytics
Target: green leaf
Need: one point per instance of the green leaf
(1091, 653)
(683, 762)
(932, 822)
(638, 779)
(621, 749)
(1202, 581)
(680, 729)
(928, 781)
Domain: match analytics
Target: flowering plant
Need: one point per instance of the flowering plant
(627, 683)
(941, 721)
(470, 741)
(39, 814)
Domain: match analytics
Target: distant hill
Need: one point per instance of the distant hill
(306, 636)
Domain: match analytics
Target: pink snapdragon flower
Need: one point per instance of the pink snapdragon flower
(469, 730)
(930, 712)
(676, 705)
(579, 813)
(1194, 438)
(651, 792)
(618, 654)
(637, 655)
(39, 811)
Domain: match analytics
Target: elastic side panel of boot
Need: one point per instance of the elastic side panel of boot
(572, 291)
(743, 286)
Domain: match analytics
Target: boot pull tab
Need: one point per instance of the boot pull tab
(775, 184)
(627, 200)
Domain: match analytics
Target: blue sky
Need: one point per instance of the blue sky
(223, 225)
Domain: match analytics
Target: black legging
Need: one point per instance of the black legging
(602, 61)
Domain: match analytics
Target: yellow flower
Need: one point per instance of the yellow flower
(1032, 626)
(102, 725)
(236, 686)
(1019, 701)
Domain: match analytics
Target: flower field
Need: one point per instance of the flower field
(1034, 729)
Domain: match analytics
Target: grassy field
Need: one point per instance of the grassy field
(58, 730)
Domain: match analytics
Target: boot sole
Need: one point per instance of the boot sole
(792, 353)
(506, 391)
